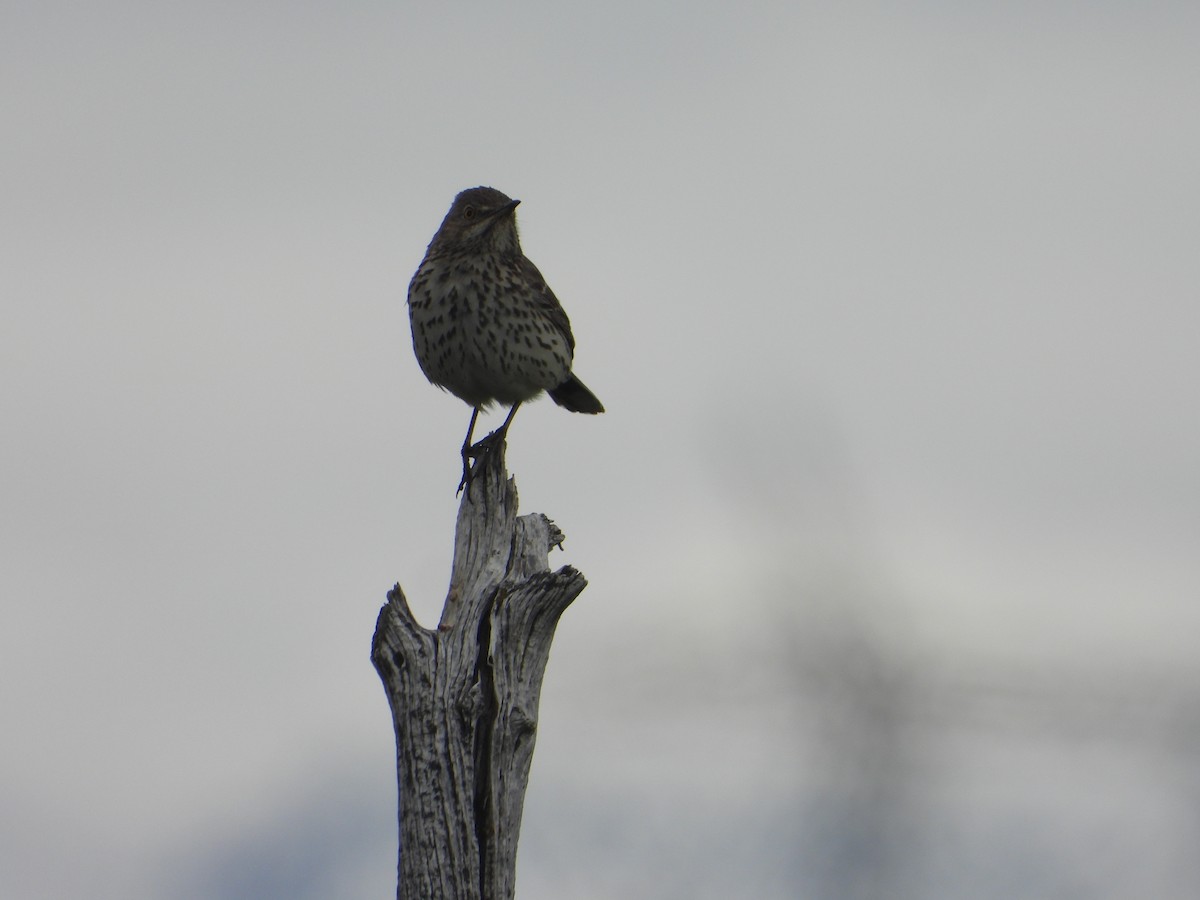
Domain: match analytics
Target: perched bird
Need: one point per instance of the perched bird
(485, 325)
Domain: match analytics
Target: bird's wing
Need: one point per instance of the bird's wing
(545, 301)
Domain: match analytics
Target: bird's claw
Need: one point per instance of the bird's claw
(467, 477)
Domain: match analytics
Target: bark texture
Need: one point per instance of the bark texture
(464, 697)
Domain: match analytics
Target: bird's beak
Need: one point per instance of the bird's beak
(501, 212)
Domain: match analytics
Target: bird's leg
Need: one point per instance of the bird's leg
(466, 447)
(502, 432)
(474, 451)
(466, 453)
(496, 436)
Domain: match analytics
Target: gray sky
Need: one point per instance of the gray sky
(883, 303)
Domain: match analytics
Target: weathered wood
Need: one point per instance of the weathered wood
(464, 698)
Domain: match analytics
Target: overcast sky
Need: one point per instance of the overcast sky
(884, 301)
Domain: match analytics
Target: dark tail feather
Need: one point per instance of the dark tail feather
(572, 395)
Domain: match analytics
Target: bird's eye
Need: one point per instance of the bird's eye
(469, 213)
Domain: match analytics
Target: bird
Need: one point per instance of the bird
(485, 325)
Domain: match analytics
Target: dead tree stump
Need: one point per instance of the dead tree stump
(464, 697)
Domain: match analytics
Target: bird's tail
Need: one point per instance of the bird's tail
(573, 395)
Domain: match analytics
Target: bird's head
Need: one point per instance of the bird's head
(481, 219)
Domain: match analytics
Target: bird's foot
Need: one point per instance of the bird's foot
(485, 445)
(478, 450)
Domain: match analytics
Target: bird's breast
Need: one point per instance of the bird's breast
(479, 333)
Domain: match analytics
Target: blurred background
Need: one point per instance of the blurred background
(891, 526)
